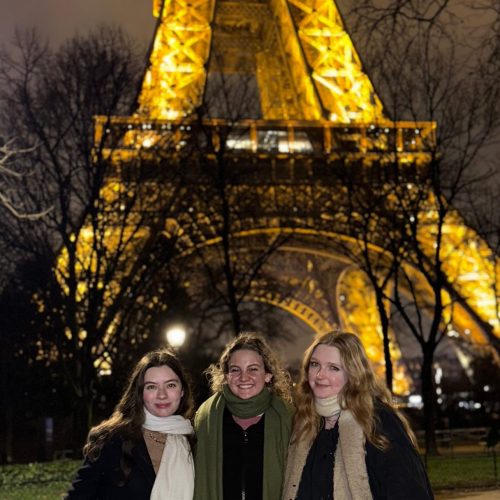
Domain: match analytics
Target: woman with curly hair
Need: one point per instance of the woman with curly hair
(349, 442)
(243, 430)
(143, 450)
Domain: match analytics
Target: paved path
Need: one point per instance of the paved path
(470, 495)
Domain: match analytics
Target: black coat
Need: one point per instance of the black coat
(100, 480)
(398, 472)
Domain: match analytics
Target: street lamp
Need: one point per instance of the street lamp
(176, 335)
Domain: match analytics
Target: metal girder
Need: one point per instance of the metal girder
(296, 308)
(304, 60)
(346, 92)
(471, 268)
(174, 81)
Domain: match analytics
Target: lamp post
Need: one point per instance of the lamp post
(176, 335)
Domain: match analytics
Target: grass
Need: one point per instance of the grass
(51, 480)
(39, 480)
(50, 491)
(464, 472)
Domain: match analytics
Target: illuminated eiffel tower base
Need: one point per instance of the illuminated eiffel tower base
(304, 103)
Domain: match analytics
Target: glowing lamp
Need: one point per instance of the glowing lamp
(176, 335)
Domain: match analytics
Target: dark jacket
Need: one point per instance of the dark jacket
(101, 480)
(397, 472)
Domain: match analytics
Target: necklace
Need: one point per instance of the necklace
(155, 438)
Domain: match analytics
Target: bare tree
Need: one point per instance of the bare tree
(9, 178)
(104, 238)
(429, 67)
(227, 244)
(369, 221)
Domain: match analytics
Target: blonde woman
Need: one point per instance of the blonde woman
(243, 430)
(349, 442)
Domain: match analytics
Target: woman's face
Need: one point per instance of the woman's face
(326, 374)
(246, 376)
(162, 391)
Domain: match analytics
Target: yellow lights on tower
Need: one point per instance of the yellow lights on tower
(345, 90)
(305, 63)
(174, 82)
(358, 313)
(470, 267)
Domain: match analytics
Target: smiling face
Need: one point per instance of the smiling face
(326, 374)
(162, 391)
(246, 375)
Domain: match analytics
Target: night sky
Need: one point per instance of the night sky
(60, 19)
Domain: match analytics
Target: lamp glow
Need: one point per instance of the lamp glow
(176, 336)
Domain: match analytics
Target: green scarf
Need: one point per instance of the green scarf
(208, 426)
(247, 408)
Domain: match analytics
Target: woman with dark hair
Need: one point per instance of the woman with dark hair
(349, 442)
(243, 430)
(142, 451)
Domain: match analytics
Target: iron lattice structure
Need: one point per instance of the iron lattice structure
(304, 60)
(317, 113)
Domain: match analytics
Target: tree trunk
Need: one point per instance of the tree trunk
(9, 434)
(82, 420)
(6, 400)
(384, 322)
(222, 183)
(429, 401)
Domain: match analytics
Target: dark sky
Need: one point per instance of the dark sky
(59, 19)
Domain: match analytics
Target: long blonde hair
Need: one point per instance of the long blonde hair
(361, 390)
(280, 382)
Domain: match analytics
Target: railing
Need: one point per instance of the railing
(452, 441)
(267, 137)
(461, 450)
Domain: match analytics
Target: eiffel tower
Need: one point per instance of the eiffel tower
(315, 107)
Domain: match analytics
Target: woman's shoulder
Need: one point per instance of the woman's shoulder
(385, 413)
(115, 440)
(213, 400)
(118, 440)
(111, 445)
(283, 405)
(389, 423)
(214, 403)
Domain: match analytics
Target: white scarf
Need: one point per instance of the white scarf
(175, 478)
(327, 407)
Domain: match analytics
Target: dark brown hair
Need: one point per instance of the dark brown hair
(128, 416)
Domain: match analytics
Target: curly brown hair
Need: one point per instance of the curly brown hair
(128, 416)
(280, 382)
(359, 394)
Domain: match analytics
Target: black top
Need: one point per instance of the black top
(243, 459)
(103, 479)
(317, 476)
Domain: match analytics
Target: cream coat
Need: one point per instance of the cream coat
(350, 480)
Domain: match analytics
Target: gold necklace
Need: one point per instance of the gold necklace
(155, 439)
